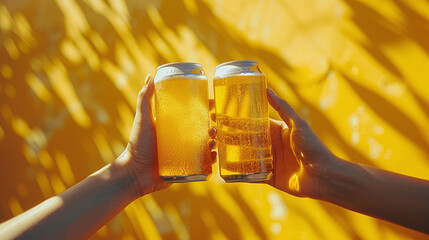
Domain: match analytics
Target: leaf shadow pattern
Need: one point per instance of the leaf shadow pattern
(213, 33)
(342, 219)
(199, 206)
(248, 212)
(280, 67)
(416, 25)
(389, 113)
(379, 30)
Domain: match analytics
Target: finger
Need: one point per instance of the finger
(276, 132)
(212, 143)
(148, 89)
(142, 92)
(213, 157)
(147, 79)
(272, 180)
(213, 132)
(213, 117)
(285, 111)
(275, 123)
(211, 104)
(145, 96)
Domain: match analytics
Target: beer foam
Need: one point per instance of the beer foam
(180, 76)
(180, 70)
(243, 67)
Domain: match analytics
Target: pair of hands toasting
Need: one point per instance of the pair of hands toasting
(303, 166)
(294, 173)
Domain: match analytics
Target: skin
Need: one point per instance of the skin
(304, 167)
(81, 210)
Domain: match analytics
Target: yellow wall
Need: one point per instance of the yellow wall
(70, 72)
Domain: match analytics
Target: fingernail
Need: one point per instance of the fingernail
(212, 132)
(148, 77)
(212, 143)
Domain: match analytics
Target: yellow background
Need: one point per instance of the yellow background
(70, 72)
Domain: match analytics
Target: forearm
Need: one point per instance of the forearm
(78, 212)
(393, 197)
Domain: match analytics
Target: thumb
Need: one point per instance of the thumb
(286, 112)
(144, 107)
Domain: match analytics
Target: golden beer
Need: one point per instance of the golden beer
(182, 122)
(244, 142)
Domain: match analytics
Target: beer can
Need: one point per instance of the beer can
(182, 122)
(243, 127)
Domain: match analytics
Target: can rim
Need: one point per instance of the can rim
(179, 64)
(237, 62)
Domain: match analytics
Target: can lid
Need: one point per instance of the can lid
(239, 63)
(182, 65)
(179, 69)
(238, 67)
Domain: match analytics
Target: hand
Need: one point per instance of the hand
(142, 149)
(141, 152)
(300, 158)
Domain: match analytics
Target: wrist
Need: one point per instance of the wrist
(339, 183)
(114, 182)
(124, 168)
(332, 181)
(142, 180)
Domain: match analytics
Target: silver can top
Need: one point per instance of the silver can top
(247, 67)
(180, 70)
